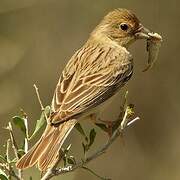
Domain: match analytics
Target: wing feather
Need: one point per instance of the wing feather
(93, 75)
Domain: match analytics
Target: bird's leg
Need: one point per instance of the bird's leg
(109, 125)
(106, 126)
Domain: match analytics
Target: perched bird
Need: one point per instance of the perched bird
(94, 74)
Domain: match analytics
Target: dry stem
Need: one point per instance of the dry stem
(40, 102)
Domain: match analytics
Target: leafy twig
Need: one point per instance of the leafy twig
(70, 164)
(70, 168)
(7, 166)
(10, 171)
(14, 146)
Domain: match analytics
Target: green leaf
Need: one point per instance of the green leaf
(41, 122)
(89, 141)
(102, 126)
(47, 111)
(3, 176)
(65, 161)
(14, 160)
(2, 158)
(80, 129)
(85, 147)
(92, 136)
(24, 146)
(21, 152)
(67, 149)
(71, 160)
(20, 123)
(130, 109)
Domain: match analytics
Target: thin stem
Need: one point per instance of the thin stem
(39, 99)
(14, 144)
(38, 96)
(7, 150)
(119, 131)
(10, 171)
(95, 174)
(15, 149)
(133, 121)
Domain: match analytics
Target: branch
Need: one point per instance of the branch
(10, 171)
(15, 149)
(70, 168)
(38, 96)
(92, 172)
(7, 166)
(39, 99)
(14, 144)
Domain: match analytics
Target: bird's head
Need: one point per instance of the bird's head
(120, 26)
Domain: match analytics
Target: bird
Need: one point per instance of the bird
(94, 74)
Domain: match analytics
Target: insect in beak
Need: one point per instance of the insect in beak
(154, 41)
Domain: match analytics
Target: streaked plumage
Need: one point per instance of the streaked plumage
(93, 75)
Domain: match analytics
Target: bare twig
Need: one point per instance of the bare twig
(70, 168)
(40, 102)
(124, 120)
(8, 159)
(14, 144)
(7, 150)
(133, 121)
(7, 166)
(92, 172)
(10, 171)
(38, 96)
(15, 149)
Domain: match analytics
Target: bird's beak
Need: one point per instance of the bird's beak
(142, 33)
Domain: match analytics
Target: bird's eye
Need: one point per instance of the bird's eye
(124, 26)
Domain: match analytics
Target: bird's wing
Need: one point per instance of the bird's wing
(91, 77)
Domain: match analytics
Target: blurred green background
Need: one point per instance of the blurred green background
(37, 38)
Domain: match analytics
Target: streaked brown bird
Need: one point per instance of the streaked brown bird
(95, 73)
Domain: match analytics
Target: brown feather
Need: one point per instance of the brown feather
(45, 151)
(91, 77)
(93, 74)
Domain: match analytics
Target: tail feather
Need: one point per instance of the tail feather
(30, 158)
(41, 149)
(24, 162)
(50, 155)
(45, 151)
(46, 156)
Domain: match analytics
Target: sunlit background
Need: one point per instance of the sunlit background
(37, 38)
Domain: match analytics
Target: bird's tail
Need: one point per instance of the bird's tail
(46, 150)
